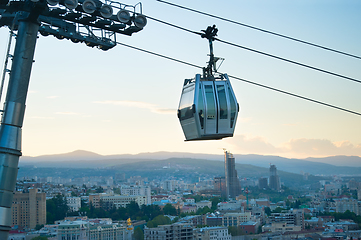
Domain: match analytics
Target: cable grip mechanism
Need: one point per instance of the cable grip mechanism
(210, 33)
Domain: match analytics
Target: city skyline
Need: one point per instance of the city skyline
(123, 101)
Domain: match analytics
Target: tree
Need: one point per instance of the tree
(56, 208)
(235, 231)
(202, 211)
(267, 210)
(117, 191)
(151, 211)
(278, 210)
(39, 238)
(159, 220)
(99, 190)
(38, 226)
(215, 201)
(169, 210)
(232, 230)
(138, 234)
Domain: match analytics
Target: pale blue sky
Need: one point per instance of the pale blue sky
(125, 101)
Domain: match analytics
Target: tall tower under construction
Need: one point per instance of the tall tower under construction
(233, 188)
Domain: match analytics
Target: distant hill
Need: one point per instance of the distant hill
(315, 166)
(189, 169)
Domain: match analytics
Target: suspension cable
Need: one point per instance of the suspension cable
(244, 80)
(263, 53)
(263, 30)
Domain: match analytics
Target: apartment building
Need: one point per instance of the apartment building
(344, 204)
(293, 217)
(84, 230)
(212, 233)
(137, 191)
(280, 227)
(235, 219)
(176, 231)
(74, 203)
(29, 208)
(116, 200)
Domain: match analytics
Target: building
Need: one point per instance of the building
(183, 231)
(344, 204)
(293, 217)
(213, 220)
(85, 230)
(263, 183)
(220, 185)
(110, 200)
(233, 187)
(29, 209)
(212, 233)
(169, 185)
(194, 220)
(235, 219)
(274, 179)
(234, 205)
(280, 227)
(250, 227)
(94, 199)
(203, 204)
(189, 209)
(74, 203)
(137, 191)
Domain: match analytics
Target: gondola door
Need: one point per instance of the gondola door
(211, 108)
(223, 114)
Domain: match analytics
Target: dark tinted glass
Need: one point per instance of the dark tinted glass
(223, 112)
(211, 110)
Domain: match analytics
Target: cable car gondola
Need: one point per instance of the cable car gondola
(208, 108)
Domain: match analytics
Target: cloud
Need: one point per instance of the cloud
(52, 97)
(322, 147)
(135, 104)
(299, 148)
(256, 145)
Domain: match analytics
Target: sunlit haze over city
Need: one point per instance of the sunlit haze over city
(124, 101)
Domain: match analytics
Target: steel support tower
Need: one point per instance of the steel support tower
(88, 21)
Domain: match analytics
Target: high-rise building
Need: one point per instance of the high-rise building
(274, 180)
(220, 185)
(29, 209)
(263, 183)
(233, 187)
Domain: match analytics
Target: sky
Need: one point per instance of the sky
(124, 101)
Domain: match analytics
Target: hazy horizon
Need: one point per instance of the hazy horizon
(124, 101)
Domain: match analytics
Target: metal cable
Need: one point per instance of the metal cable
(263, 53)
(263, 30)
(244, 80)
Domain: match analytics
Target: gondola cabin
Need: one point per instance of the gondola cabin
(208, 109)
